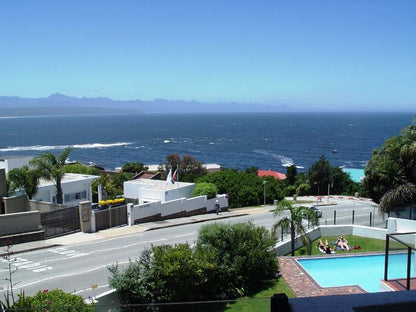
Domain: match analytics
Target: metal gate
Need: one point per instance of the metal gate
(111, 217)
(61, 221)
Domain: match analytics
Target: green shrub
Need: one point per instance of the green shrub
(289, 190)
(303, 189)
(54, 300)
(244, 256)
(228, 261)
(205, 188)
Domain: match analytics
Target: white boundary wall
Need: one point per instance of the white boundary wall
(186, 205)
(401, 225)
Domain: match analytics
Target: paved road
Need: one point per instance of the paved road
(79, 262)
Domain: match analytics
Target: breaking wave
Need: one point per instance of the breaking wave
(284, 161)
(61, 147)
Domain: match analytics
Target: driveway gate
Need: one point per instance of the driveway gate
(110, 217)
(61, 221)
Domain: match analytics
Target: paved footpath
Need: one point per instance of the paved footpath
(80, 237)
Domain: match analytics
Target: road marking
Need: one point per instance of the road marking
(67, 252)
(21, 263)
(183, 235)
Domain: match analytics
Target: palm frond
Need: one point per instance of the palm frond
(401, 196)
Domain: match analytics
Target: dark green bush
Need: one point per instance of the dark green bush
(244, 256)
(228, 261)
(54, 300)
(205, 188)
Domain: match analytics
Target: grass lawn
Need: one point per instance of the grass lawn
(260, 302)
(366, 244)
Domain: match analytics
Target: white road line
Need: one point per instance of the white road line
(183, 235)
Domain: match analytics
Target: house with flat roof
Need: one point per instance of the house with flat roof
(143, 191)
(75, 187)
(12, 162)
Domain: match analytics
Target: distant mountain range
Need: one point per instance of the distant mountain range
(60, 104)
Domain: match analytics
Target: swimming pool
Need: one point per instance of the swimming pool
(366, 271)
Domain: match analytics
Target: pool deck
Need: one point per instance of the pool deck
(305, 286)
(401, 284)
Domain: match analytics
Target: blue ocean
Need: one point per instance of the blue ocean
(267, 141)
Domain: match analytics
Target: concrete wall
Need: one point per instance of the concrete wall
(21, 204)
(401, 225)
(184, 191)
(22, 222)
(43, 206)
(15, 204)
(85, 219)
(173, 208)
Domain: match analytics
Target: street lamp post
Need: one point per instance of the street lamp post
(264, 193)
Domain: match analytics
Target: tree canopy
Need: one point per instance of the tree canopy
(187, 168)
(23, 178)
(393, 167)
(51, 167)
(244, 189)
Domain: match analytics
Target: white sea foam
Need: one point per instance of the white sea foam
(61, 147)
(284, 161)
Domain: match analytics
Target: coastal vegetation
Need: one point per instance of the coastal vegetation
(228, 261)
(244, 189)
(205, 188)
(390, 176)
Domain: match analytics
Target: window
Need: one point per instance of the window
(75, 196)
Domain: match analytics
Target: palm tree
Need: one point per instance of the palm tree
(23, 178)
(51, 167)
(293, 221)
(398, 198)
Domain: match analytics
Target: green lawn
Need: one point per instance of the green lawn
(366, 244)
(260, 302)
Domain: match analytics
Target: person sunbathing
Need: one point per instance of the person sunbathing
(342, 243)
(325, 247)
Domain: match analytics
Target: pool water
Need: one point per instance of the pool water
(365, 271)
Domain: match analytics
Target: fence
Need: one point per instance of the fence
(110, 217)
(336, 217)
(60, 222)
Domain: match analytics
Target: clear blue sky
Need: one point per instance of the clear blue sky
(332, 53)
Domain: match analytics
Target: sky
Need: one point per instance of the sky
(323, 54)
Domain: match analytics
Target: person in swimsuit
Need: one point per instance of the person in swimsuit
(325, 247)
(342, 243)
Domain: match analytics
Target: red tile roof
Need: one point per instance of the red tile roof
(275, 174)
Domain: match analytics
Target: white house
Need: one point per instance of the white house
(12, 162)
(144, 191)
(75, 188)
